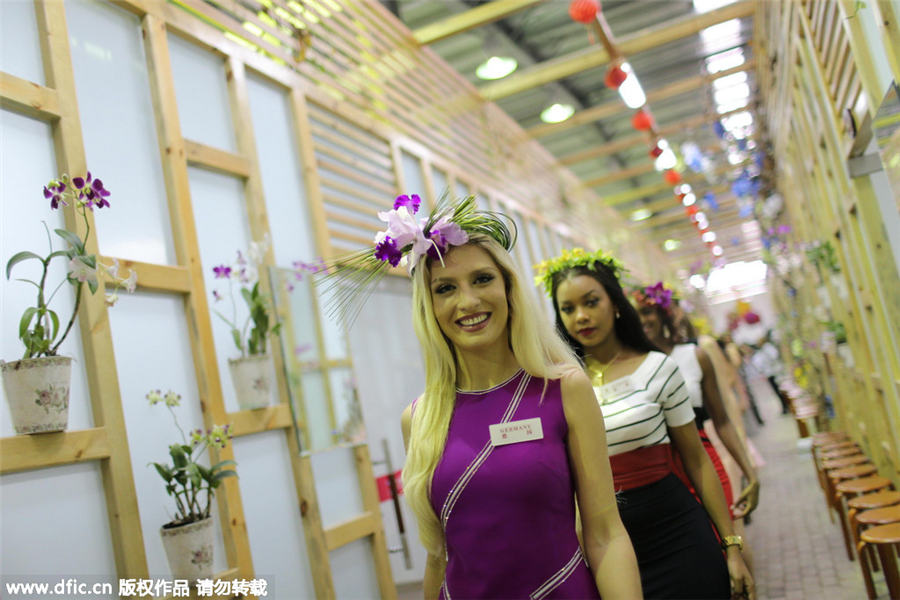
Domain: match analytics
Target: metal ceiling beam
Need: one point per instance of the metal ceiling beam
(643, 138)
(470, 19)
(596, 56)
(614, 107)
(649, 190)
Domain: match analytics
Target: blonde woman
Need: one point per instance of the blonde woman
(507, 432)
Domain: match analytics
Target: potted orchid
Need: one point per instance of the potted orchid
(251, 373)
(188, 537)
(37, 385)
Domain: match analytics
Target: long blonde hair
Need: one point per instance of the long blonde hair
(536, 346)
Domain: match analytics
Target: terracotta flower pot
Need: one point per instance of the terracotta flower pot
(37, 391)
(189, 549)
(252, 378)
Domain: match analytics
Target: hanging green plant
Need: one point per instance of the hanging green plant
(823, 254)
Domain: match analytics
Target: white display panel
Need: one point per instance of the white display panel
(318, 419)
(201, 94)
(462, 190)
(354, 570)
(222, 230)
(27, 163)
(119, 132)
(412, 175)
(152, 348)
(55, 524)
(281, 170)
(387, 360)
(271, 510)
(20, 49)
(337, 486)
(439, 179)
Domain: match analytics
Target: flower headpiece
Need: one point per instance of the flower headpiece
(406, 241)
(569, 259)
(655, 295)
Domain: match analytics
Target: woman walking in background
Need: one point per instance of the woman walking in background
(647, 409)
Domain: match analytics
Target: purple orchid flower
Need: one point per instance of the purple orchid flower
(444, 234)
(217, 296)
(412, 202)
(222, 271)
(54, 193)
(387, 250)
(660, 296)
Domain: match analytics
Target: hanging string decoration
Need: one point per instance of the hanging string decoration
(584, 11)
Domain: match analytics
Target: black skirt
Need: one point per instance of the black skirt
(677, 549)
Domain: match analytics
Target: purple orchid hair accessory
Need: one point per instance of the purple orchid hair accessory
(407, 239)
(655, 295)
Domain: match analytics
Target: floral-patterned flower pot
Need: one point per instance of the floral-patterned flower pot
(37, 391)
(189, 549)
(252, 377)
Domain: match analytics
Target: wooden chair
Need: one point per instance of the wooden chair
(850, 488)
(886, 539)
(825, 437)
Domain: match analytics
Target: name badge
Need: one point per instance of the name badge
(516, 431)
(615, 389)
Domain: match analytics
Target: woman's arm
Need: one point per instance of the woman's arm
(608, 547)
(712, 401)
(703, 476)
(434, 565)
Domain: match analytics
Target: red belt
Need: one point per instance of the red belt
(641, 467)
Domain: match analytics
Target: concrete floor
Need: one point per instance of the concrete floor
(798, 552)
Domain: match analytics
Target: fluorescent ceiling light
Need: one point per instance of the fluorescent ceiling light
(735, 158)
(733, 105)
(729, 80)
(496, 67)
(670, 245)
(641, 214)
(709, 236)
(741, 119)
(631, 91)
(722, 61)
(689, 199)
(734, 93)
(717, 250)
(556, 113)
(697, 281)
(721, 37)
(704, 6)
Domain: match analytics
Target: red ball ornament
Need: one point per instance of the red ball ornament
(691, 210)
(583, 11)
(655, 152)
(672, 177)
(641, 120)
(615, 76)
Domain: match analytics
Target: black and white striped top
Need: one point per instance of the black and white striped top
(638, 408)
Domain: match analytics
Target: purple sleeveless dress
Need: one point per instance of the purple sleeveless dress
(508, 511)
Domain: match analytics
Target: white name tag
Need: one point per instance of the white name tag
(615, 389)
(516, 431)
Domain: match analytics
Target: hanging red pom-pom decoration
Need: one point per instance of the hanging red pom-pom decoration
(584, 11)
(691, 210)
(655, 152)
(641, 120)
(615, 76)
(672, 176)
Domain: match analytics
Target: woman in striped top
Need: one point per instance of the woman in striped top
(646, 410)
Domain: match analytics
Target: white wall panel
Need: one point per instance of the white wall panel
(54, 523)
(152, 349)
(20, 50)
(354, 571)
(337, 486)
(280, 166)
(119, 132)
(27, 164)
(271, 509)
(201, 94)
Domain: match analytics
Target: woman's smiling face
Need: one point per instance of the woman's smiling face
(468, 293)
(586, 310)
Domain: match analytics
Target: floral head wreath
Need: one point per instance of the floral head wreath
(349, 280)
(655, 295)
(569, 259)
